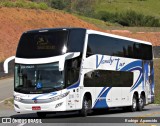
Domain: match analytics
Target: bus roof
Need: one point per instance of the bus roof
(88, 31)
(52, 29)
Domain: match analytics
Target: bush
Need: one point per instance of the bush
(58, 4)
(43, 6)
(129, 18)
(20, 3)
(132, 18)
(24, 4)
(7, 4)
(107, 16)
(32, 5)
(152, 21)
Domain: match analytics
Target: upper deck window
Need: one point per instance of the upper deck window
(105, 45)
(51, 43)
(42, 44)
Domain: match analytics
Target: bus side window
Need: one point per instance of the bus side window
(89, 79)
(72, 71)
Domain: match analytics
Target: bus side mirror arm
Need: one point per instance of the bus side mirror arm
(5, 64)
(67, 56)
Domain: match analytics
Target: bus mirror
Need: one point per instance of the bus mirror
(67, 56)
(5, 64)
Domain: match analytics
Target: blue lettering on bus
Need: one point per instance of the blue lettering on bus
(110, 61)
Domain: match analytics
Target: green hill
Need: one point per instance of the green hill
(132, 13)
(143, 13)
(146, 7)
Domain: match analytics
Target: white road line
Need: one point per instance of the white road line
(5, 99)
(21, 124)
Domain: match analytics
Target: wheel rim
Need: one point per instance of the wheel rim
(141, 102)
(134, 103)
(86, 105)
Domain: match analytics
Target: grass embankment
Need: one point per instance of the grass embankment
(99, 23)
(24, 4)
(111, 6)
(157, 80)
(146, 7)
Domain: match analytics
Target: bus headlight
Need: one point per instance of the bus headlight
(60, 96)
(17, 98)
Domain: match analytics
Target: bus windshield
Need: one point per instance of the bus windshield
(36, 79)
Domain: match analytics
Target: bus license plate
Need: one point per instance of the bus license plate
(36, 108)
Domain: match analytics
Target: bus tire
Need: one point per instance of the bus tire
(86, 107)
(141, 103)
(134, 105)
(41, 114)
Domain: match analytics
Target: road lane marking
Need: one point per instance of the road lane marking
(5, 100)
(148, 115)
(21, 124)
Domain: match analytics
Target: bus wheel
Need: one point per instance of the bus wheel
(86, 107)
(41, 114)
(133, 108)
(141, 103)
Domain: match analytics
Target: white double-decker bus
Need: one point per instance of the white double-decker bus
(68, 69)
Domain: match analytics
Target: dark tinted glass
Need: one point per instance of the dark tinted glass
(98, 44)
(106, 78)
(76, 40)
(37, 79)
(72, 68)
(41, 44)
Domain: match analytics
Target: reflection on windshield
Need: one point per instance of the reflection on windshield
(42, 44)
(38, 78)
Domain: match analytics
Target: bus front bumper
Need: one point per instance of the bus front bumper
(55, 106)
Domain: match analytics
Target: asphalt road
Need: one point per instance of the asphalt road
(6, 88)
(116, 117)
(69, 119)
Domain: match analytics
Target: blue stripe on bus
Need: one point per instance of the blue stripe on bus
(137, 84)
(102, 102)
(74, 85)
(102, 91)
(100, 94)
(140, 78)
(136, 65)
(132, 65)
(52, 93)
